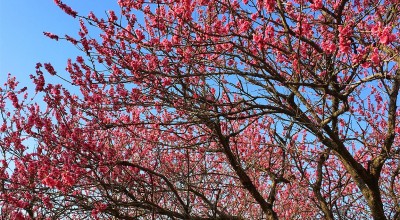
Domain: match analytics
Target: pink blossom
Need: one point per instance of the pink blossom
(49, 182)
(316, 5)
(244, 26)
(375, 57)
(385, 37)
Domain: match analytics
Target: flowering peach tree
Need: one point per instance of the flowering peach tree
(211, 109)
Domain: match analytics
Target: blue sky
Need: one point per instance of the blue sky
(22, 43)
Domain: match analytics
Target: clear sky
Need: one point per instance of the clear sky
(22, 43)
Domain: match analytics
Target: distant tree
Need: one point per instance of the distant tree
(202, 109)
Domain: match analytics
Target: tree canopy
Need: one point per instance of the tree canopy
(211, 109)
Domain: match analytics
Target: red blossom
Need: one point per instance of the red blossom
(50, 68)
(66, 8)
(71, 39)
(51, 35)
